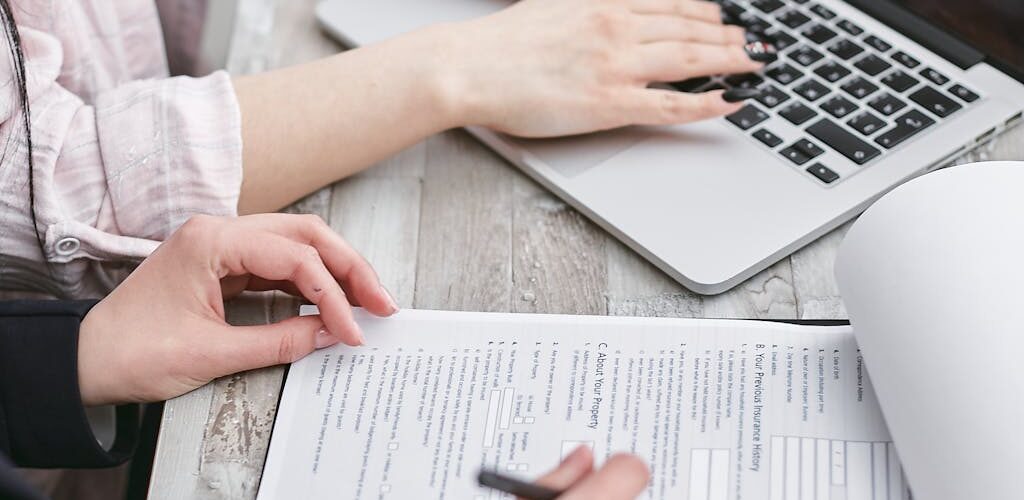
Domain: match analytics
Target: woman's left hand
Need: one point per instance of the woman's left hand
(544, 68)
(162, 332)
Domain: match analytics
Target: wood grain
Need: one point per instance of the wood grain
(449, 225)
(558, 256)
(465, 253)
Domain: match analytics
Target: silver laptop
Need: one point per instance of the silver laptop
(867, 94)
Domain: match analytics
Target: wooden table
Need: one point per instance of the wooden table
(450, 225)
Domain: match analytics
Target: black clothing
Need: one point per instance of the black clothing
(42, 420)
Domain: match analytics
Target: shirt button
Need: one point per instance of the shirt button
(68, 246)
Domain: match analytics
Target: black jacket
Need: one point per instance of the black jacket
(42, 420)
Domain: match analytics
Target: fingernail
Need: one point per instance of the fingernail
(740, 94)
(324, 338)
(761, 52)
(391, 300)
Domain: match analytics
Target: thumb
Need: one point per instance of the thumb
(576, 466)
(621, 477)
(250, 347)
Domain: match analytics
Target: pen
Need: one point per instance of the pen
(512, 486)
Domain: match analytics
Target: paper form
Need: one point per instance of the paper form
(718, 409)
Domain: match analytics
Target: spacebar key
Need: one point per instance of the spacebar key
(839, 139)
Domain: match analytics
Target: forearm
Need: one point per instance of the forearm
(307, 126)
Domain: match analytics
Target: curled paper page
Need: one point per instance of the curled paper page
(932, 277)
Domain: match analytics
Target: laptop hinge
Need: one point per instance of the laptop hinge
(921, 31)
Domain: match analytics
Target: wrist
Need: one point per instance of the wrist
(93, 371)
(450, 74)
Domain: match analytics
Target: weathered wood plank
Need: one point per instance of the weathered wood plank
(637, 288)
(817, 295)
(559, 261)
(465, 250)
(213, 440)
(380, 216)
(242, 412)
(767, 295)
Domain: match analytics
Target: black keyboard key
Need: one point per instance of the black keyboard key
(744, 80)
(691, 85)
(887, 104)
(801, 2)
(808, 148)
(797, 113)
(872, 64)
(935, 102)
(784, 74)
(755, 25)
(878, 44)
(818, 33)
(845, 49)
(731, 13)
(831, 71)
(899, 81)
(963, 93)
(839, 106)
(771, 96)
(866, 123)
(747, 117)
(936, 77)
(847, 144)
(752, 37)
(811, 89)
(823, 173)
(849, 27)
(905, 59)
(769, 139)
(859, 87)
(780, 40)
(907, 125)
(805, 55)
(822, 11)
(768, 6)
(795, 155)
(793, 19)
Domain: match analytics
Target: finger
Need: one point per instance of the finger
(667, 107)
(622, 476)
(345, 263)
(263, 285)
(249, 347)
(276, 258)
(694, 9)
(575, 467)
(655, 28)
(674, 61)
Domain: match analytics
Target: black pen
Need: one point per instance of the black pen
(512, 486)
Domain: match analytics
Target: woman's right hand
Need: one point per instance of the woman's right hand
(544, 68)
(622, 477)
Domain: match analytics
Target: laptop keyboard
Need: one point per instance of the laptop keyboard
(845, 89)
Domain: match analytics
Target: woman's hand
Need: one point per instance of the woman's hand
(540, 68)
(622, 477)
(162, 332)
(561, 67)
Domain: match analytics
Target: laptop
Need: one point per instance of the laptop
(865, 95)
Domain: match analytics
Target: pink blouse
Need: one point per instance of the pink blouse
(123, 153)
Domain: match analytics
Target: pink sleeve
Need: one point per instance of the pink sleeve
(115, 178)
